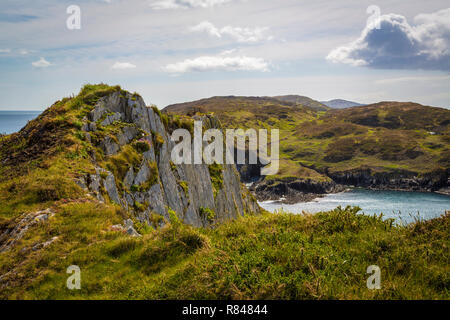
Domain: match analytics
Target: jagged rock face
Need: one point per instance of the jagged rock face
(400, 180)
(297, 190)
(185, 189)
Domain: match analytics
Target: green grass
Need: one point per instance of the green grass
(271, 256)
(216, 174)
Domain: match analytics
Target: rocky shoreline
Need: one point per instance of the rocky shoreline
(292, 190)
(299, 190)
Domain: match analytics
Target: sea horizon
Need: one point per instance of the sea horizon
(12, 121)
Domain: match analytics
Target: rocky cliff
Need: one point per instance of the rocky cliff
(134, 168)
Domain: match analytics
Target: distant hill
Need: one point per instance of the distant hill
(316, 105)
(341, 104)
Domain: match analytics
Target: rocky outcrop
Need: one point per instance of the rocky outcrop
(294, 190)
(127, 227)
(10, 236)
(300, 190)
(155, 187)
(394, 180)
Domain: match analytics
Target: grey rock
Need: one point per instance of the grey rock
(129, 200)
(44, 244)
(156, 124)
(143, 175)
(129, 178)
(132, 232)
(128, 223)
(81, 182)
(12, 235)
(111, 118)
(127, 135)
(169, 182)
(228, 203)
(89, 126)
(113, 102)
(97, 113)
(109, 146)
(155, 199)
(41, 217)
(94, 185)
(110, 186)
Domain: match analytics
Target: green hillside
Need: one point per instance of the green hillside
(306, 101)
(388, 145)
(392, 138)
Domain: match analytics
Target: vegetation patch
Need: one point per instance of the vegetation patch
(208, 213)
(158, 141)
(184, 186)
(216, 174)
(269, 256)
(119, 163)
(142, 146)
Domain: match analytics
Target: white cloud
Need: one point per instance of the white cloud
(41, 63)
(238, 33)
(185, 4)
(398, 45)
(15, 52)
(123, 66)
(413, 79)
(218, 63)
(227, 52)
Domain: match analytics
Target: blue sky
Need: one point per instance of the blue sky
(179, 50)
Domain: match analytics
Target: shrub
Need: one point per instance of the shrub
(157, 111)
(158, 141)
(141, 146)
(140, 207)
(184, 185)
(341, 150)
(156, 219)
(122, 246)
(174, 220)
(208, 213)
(216, 173)
(142, 228)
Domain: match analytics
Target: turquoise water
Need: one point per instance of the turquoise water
(12, 121)
(403, 206)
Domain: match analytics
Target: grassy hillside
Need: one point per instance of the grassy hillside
(39, 163)
(314, 104)
(272, 256)
(276, 256)
(387, 137)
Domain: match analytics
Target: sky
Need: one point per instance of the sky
(172, 51)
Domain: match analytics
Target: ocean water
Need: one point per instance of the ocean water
(402, 206)
(13, 121)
